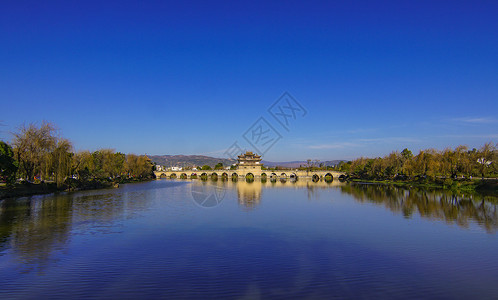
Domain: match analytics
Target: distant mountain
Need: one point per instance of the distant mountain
(189, 160)
(200, 160)
(285, 164)
(298, 163)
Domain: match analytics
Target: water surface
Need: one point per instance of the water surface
(254, 240)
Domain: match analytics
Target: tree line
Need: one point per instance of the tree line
(38, 153)
(428, 163)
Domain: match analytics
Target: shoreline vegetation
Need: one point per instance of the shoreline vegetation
(40, 161)
(487, 186)
(459, 169)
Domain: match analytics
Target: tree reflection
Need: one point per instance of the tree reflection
(35, 227)
(449, 206)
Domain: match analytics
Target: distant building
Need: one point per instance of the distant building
(483, 161)
(249, 161)
(159, 168)
(176, 168)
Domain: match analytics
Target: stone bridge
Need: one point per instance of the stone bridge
(242, 174)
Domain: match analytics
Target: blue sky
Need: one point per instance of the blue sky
(189, 77)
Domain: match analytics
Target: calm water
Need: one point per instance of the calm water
(272, 240)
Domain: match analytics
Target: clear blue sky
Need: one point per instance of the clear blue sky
(188, 77)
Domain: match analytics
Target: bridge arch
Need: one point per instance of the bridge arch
(193, 175)
(283, 178)
(293, 176)
(183, 176)
(214, 176)
(235, 176)
(249, 177)
(172, 176)
(328, 177)
(315, 178)
(163, 175)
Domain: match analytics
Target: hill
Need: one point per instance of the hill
(189, 160)
(298, 163)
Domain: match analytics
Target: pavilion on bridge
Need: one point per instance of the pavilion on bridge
(249, 162)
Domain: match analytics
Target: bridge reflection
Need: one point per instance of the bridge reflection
(449, 206)
(249, 192)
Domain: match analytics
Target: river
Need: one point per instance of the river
(223, 239)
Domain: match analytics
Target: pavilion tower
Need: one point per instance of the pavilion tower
(249, 161)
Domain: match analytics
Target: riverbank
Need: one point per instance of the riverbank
(486, 186)
(30, 189)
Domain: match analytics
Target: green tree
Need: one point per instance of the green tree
(219, 166)
(8, 165)
(206, 167)
(118, 164)
(98, 159)
(60, 161)
(393, 164)
(462, 160)
(343, 166)
(406, 154)
(448, 163)
(82, 164)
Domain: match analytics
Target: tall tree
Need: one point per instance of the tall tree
(138, 166)
(31, 146)
(82, 164)
(61, 161)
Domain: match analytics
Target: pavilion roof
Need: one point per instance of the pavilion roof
(249, 155)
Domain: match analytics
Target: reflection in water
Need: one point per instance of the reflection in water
(35, 227)
(435, 204)
(249, 194)
(167, 247)
(442, 205)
